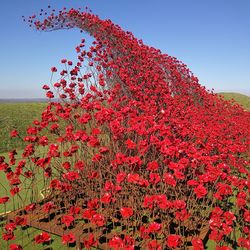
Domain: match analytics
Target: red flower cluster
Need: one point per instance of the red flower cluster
(136, 145)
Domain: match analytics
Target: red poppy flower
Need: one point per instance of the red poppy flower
(179, 204)
(129, 243)
(200, 191)
(10, 226)
(223, 248)
(8, 236)
(67, 220)
(153, 245)
(126, 212)
(28, 174)
(48, 206)
(68, 238)
(88, 214)
(154, 178)
(116, 243)
(247, 216)
(98, 219)
(90, 241)
(79, 165)
(216, 235)
(15, 247)
(93, 203)
(66, 165)
(42, 237)
(130, 144)
(14, 191)
(50, 94)
(153, 165)
(14, 133)
(106, 198)
(243, 242)
(173, 241)
(93, 175)
(4, 199)
(103, 150)
(74, 210)
(120, 177)
(46, 87)
(20, 221)
(182, 215)
(154, 227)
(30, 207)
(109, 186)
(197, 244)
(229, 217)
(53, 69)
(169, 179)
(71, 176)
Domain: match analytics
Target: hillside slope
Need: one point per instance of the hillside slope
(16, 116)
(243, 100)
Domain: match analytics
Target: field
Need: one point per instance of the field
(16, 116)
(25, 237)
(241, 99)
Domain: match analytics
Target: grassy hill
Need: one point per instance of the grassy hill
(243, 100)
(16, 116)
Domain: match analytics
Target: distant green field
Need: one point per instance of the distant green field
(16, 116)
(241, 99)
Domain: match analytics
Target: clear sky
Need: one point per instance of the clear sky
(211, 36)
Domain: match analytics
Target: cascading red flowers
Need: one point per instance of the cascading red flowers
(137, 147)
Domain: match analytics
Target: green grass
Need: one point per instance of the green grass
(25, 237)
(241, 99)
(16, 116)
(25, 196)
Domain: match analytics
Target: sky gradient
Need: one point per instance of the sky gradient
(211, 37)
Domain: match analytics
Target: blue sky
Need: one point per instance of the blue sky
(212, 37)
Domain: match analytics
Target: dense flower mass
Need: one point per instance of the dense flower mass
(140, 154)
